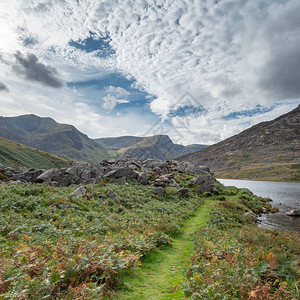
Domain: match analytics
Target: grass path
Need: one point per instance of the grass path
(162, 272)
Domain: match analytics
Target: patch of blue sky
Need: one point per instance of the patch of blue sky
(187, 111)
(259, 109)
(28, 42)
(95, 43)
(93, 91)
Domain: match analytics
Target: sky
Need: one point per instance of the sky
(199, 71)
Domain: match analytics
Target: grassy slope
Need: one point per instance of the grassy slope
(162, 272)
(56, 246)
(16, 155)
(271, 172)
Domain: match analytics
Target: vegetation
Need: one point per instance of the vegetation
(267, 171)
(57, 246)
(16, 155)
(236, 260)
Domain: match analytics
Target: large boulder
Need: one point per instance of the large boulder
(121, 172)
(205, 184)
(188, 167)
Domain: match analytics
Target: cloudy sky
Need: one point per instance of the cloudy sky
(206, 69)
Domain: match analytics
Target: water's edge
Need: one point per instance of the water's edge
(285, 196)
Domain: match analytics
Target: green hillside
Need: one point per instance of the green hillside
(16, 155)
(266, 151)
(138, 245)
(47, 135)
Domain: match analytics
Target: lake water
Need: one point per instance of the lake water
(285, 196)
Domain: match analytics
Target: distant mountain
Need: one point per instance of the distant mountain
(47, 135)
(155, 147)
(196, 147)
(268, 150)
(15, 155)
(116, 143)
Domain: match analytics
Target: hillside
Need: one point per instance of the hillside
(150, 236)
(154, 147)
(47, 135)
(16, 155)
(269, 150)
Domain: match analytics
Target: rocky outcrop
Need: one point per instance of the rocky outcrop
(160, 174)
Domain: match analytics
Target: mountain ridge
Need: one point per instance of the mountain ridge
(46, 134)
(263, 146)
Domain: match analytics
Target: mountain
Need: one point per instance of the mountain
(47, 135)
(155, 147)
(116, 143)
(269, 150)
(16, 155)
(196, 147)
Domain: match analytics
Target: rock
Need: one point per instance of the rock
(111, 194)
(47, 176)
(143, 178)
(85, 175)
(188, 167)
(31, 175)
(251, 216)
(120, 172)
(293, 213)
(9, 173)
(13, 182)
(111, 161)
(198, 180)
(134, 175)
(184, 192)
(160, 191)
(162, 181)
(173, 182)
(157, 170)
(215, 191)
(121, 180)
(79, 192)
(137, 165)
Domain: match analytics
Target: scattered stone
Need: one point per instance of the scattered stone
(13, 182)
(160, 191)
(215, 191)
(173, 182)
(198, 180)
(9, 173)
(120, 172)
(143, 178)
(293, 213)
(111, 194)
(251, 216)
(121, 169)
(79, 192)
(162, 181)
(121, 180)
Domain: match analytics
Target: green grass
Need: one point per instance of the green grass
(134, 246)
(234, 259)
(272, 172)
(16, 155)
(53, 245)
(162, 272)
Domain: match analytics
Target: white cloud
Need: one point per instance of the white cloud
(110, 101)
(230, 55)
(118, 91)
